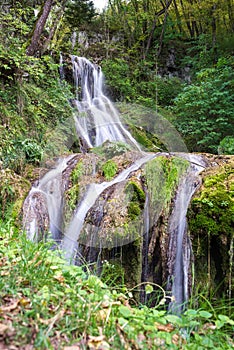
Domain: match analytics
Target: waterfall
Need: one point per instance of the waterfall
(71, 236)
(97, 121)
(179, 250)
(43, 205)
(145, 248)
(96, 118)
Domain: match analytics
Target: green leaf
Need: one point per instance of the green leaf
(205, 314)
(125, 311)
(191, 313)
(226, 319)
(174, 319)
(149, 289)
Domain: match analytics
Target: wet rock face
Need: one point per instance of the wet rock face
(129, 224)
(36, 216)
(211, 222)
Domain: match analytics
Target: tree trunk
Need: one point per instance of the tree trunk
(159, 13)
(178, 19)
(163, 29)
(33, 47)
(54, 27)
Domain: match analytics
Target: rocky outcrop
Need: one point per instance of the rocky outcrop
(211, 222)
(129, 224)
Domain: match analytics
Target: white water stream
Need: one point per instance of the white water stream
(71, 235)
(96, 119)
(46, 194)
(179, 251)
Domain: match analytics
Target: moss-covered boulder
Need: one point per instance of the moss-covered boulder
(211, 224)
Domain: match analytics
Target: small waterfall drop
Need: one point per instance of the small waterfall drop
(145, 248)
(96, 119)
(179, 250)
(70, 241)
(43, 205)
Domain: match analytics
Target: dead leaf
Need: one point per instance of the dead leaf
(164, 327)
(59, 278)
(177, 339)
(10, 307)
(5, 273)
(72, 347)
(24, 301)
(3, 328)
(97, 343)
(207, 326)
(52, 320)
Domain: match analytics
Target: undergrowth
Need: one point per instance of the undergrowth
(48, 304)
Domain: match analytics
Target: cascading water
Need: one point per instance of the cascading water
(47, 196)
(179, 251)
(71, 236)
(146, 223)
(96, 118)
(98, 121)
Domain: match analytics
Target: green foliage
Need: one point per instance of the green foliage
(13, 189)
(109, 169)
(72, 195)
(204, 109)
(77, 172)
(112, 274)
(42, 298)
(226, 146)
(79, 12)
(117, 74)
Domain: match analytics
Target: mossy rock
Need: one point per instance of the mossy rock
(211, 222)
(136, 198)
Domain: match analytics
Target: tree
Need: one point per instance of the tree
(33, 47)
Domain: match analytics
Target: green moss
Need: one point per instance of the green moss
(134, 210)
(212, 210)
(77, 172)
(162, 177)
(111, 149)
(149, 141)
(136, 199)
(211, 222)
(109, 169)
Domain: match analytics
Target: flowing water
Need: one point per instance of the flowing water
(71, 236)
(98, 121)
(179, 251)
(45, 201)
(96, 118)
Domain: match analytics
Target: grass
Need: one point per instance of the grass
(47, 304)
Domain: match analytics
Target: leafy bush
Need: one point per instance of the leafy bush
(226, 146)
(117, 76)
(204, 110)
(109, 169)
